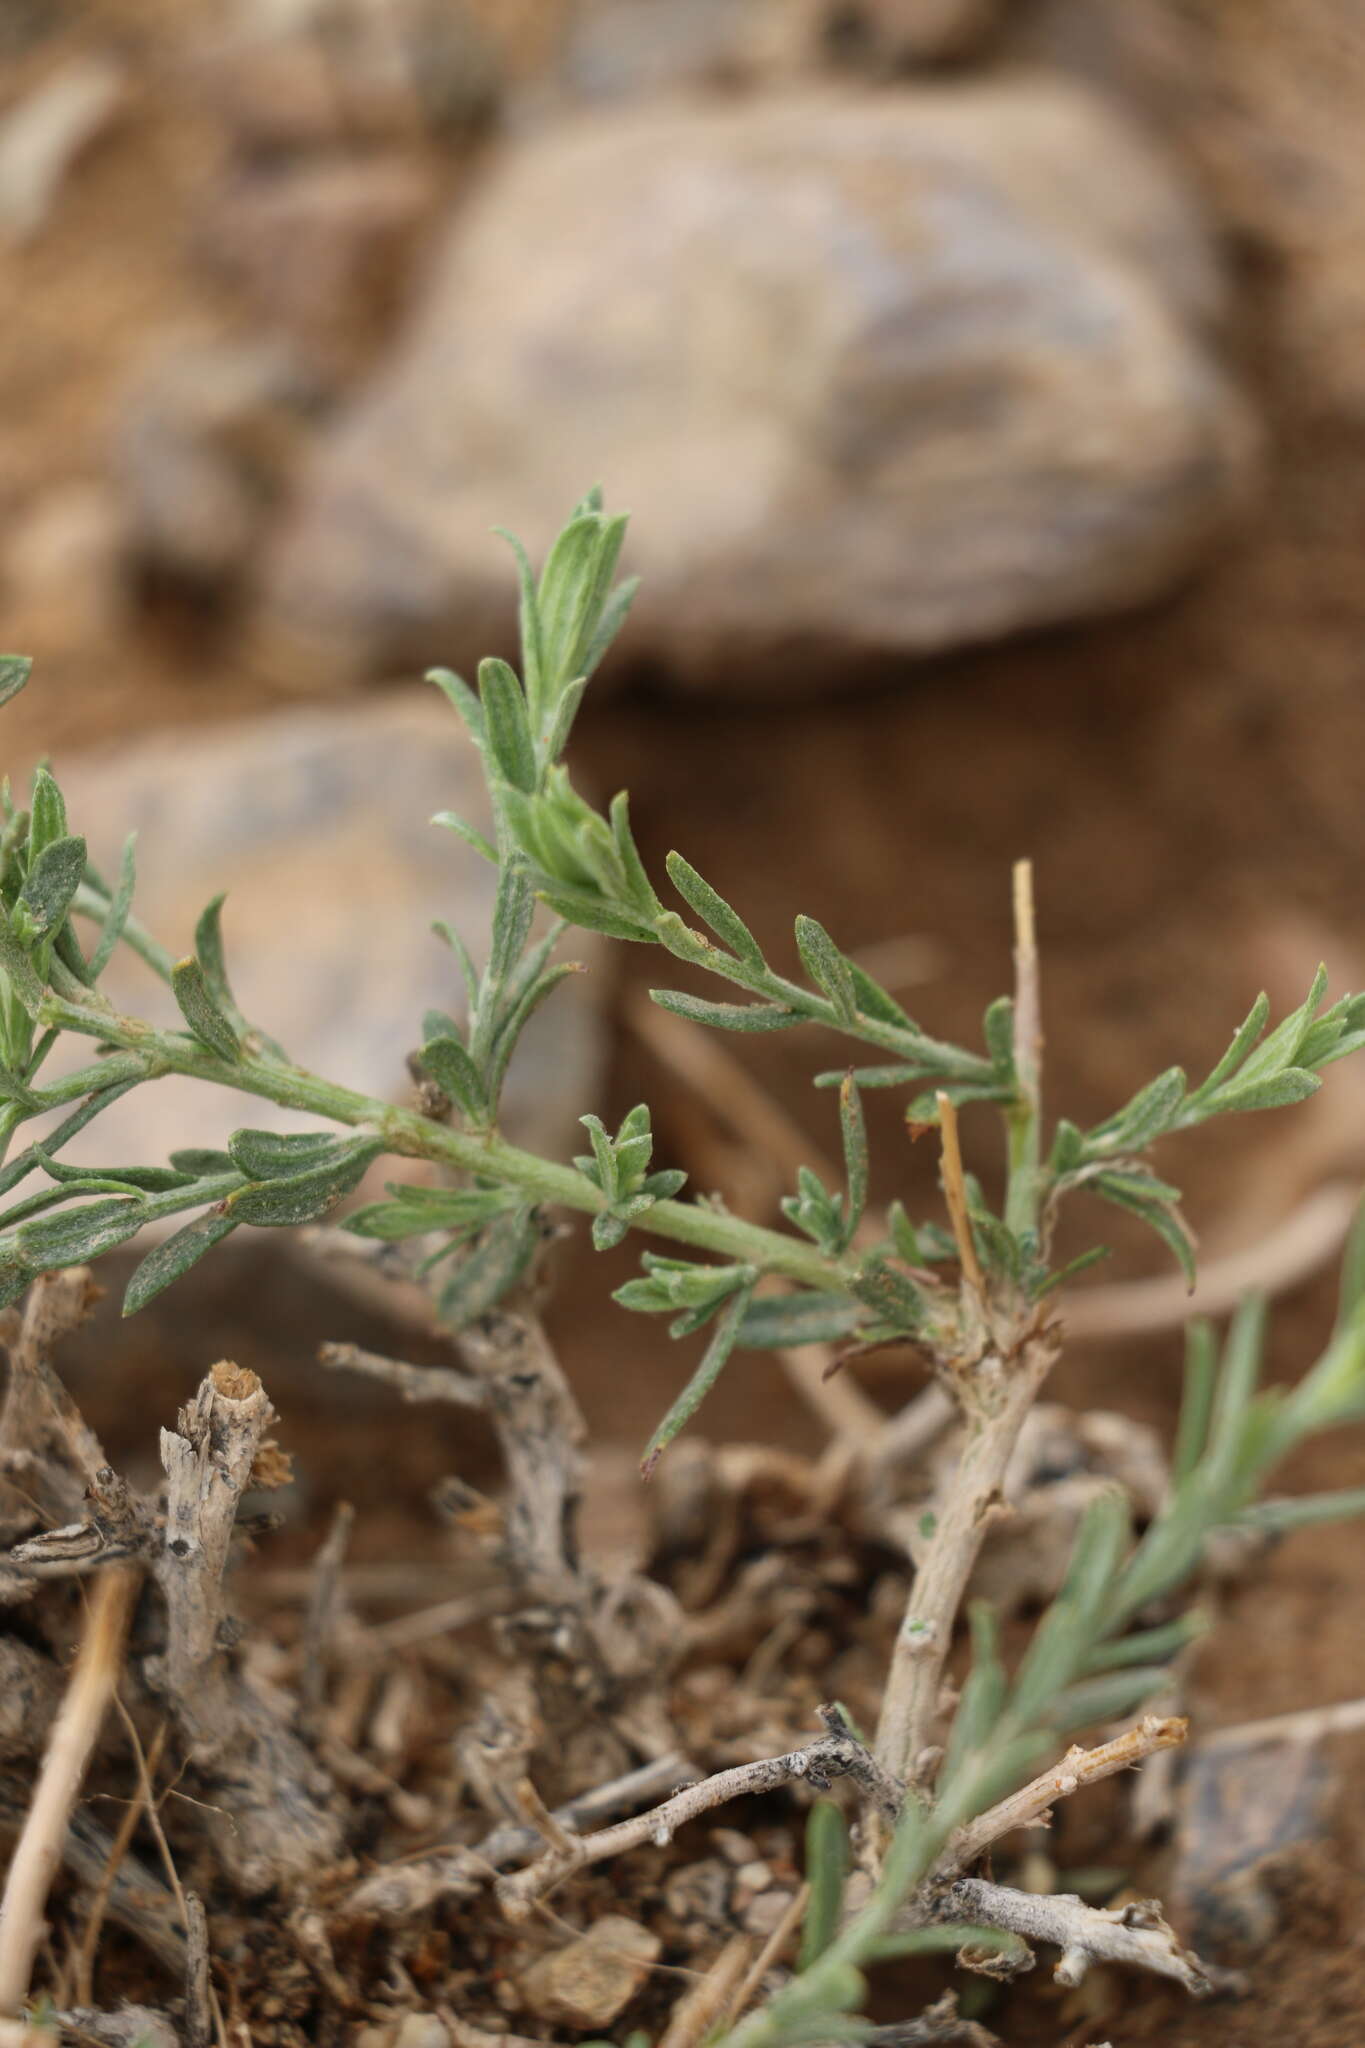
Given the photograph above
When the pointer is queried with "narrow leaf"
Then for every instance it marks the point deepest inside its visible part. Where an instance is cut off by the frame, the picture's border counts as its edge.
(713, 910)
(52, 881)
(302, 1199)
(827, 967)
(827, 1867)
(699, 1386)
(451, 1068)
(15, 670)
(168, 1261)
(725, 1016)
(506, 725)
(199, 1010)
(279, 1155)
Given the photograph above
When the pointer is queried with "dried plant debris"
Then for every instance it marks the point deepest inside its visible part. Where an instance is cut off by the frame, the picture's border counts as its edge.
(820, 1729)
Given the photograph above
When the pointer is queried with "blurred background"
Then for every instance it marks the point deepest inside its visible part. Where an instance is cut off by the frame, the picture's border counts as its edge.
(985, 379)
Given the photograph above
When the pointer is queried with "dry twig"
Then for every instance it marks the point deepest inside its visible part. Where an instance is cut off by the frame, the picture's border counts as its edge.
(39, 1849)
(1031, 1805)
(1136, 1934)
(836, 1754)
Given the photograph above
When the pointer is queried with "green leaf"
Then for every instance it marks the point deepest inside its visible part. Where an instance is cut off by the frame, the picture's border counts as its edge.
(18, 968)
(52, 881)
(827, 967)
(713, 910)
(613, 617)
(1242, 1041)
(854, 1132)
(1309, 1511)
(453, 823)
(303, 1198)
(775, 1321)
(15, 670)
(827, 1867)
(1281, 1048)
(725, 1016)
(120, 905)
(168, 1261)
(513, 908)
(74, 1235)
(1196, 1405)
(699, 1386)
(199, 1161)
(280, 1155)
(416, 1211)
(998, 1030)
(483, 1276)
(148, 1179)
(1152, 1110)
(577, 906)
(873, 1000)
(1152, 1201)
(452, 1069)
(575, 585)
(200, 1011)
(457, 691)
(47, 819)
(532, 654)
(1273, 1091)
(507, 726)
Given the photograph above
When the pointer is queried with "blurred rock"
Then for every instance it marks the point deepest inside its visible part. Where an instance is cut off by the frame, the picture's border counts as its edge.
(294, 75)
(589, 1981)
(890, 374)
(208, 437)
(883, 37)
(42, 138)
(321, 249)
(62, 561)
(317, 824)
(621, 49)
(1251, 1801)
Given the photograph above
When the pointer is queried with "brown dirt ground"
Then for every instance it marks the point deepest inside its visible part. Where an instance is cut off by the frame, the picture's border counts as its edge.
(1189, 785)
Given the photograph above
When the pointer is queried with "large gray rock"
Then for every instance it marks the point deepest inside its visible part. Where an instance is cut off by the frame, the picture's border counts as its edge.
(317, 824)
(874, 373)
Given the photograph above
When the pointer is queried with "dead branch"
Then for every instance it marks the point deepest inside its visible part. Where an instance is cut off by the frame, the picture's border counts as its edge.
(1136, 1934)
(703, 2007)
(326, 1609)
(910, 1704)
(198, 1995)
(39, 1849)
(939, 2023)
(94, 1921)
(955, 1194)
(46, 1449)
(836, 1754)
(401, 1889)
(280, 1831)
(410, 1382)
(1031, 1805)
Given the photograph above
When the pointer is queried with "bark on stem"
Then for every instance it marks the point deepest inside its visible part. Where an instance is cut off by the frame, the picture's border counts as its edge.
(912, 1689)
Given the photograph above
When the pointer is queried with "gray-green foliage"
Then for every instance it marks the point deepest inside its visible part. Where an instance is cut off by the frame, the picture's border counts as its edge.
(834, 1275)
(843, 1281)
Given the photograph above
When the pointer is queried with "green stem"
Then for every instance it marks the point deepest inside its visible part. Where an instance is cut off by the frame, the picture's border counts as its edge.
(413, 1136)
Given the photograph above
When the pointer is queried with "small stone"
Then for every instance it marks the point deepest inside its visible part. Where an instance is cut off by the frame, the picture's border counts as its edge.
(877, 376)
(1249, 1802)
(589, 1982)
(763, 1913)
(320, 250)
(736, 1848)
(753, 1877)
(208, 435)
(42, 137)
(422, 2030)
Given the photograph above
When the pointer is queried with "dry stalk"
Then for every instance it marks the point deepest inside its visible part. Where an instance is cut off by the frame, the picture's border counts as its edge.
(400, 1889)
(118, 1849)
(836, 1754)
(955, 1195)
(39, 1848)
(1135, 1935)
(1031, 1805)
(999, 1394)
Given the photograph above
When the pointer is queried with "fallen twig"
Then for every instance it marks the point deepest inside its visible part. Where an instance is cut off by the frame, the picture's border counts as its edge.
(39, 1848)
(118, 1849)
(836, 1754)
(1135, 1934)
(400, 1889)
